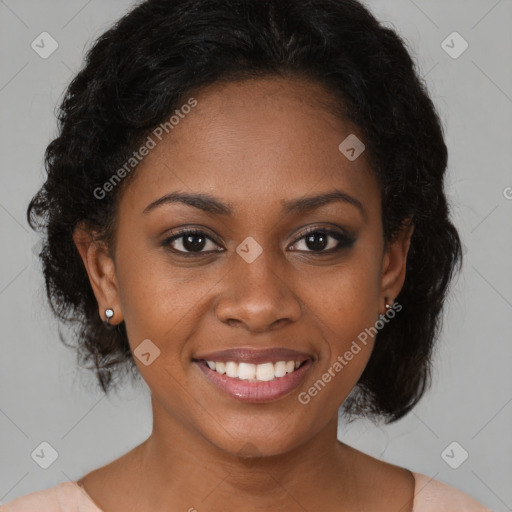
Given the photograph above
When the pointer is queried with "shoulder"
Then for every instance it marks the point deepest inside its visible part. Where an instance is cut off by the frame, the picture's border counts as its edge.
(64, 497)
(435, 496)
(45, 500)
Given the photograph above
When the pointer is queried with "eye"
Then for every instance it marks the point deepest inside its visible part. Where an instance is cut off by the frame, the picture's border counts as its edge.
(189, 241)
(317, 240)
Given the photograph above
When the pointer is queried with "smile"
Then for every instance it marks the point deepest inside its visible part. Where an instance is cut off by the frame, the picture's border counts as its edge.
(254, 372)
(249, 382)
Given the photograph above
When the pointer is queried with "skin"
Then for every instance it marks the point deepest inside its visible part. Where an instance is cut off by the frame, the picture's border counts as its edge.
(251, 144)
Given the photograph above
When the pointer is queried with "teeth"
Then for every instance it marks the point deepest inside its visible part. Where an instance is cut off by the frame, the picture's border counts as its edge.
(231, 369)
(265, 371)
(280, 369)
(254, 372)
(246, 371)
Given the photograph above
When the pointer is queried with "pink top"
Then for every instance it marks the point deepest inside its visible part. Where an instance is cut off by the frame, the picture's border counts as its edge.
(429, 496)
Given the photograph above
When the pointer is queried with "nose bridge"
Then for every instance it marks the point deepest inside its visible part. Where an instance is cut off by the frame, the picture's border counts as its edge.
(257, 267)
(256, 293)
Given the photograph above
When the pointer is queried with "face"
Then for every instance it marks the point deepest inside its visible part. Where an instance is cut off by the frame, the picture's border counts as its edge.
(263, 265)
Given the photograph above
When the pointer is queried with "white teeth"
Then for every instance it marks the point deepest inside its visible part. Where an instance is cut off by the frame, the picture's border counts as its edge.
(254, 372)
(231, 369)
(265, 372)
(280, 369)
(246, 371)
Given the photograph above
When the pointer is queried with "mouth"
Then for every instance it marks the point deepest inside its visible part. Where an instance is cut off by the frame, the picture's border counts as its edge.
(263, 372)
(250, 382)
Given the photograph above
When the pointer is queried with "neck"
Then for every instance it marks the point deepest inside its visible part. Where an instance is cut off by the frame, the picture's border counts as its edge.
(182, 469)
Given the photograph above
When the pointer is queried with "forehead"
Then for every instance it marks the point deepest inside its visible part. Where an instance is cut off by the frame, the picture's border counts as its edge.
(254, 143)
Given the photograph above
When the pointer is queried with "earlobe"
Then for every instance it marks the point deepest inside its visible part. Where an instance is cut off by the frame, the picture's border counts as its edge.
(100, 269)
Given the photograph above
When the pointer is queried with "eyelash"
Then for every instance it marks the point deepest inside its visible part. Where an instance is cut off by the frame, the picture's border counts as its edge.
(344, 241)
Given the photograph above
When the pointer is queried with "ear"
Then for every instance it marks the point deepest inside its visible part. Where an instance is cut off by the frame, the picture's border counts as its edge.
(394, 264)
(100, 268)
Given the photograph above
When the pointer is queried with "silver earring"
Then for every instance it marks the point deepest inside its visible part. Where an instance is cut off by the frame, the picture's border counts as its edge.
(387, 305)
(109, 313)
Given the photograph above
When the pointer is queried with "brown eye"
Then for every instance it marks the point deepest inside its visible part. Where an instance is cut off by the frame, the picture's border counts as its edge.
(324, 240)
(189, 242)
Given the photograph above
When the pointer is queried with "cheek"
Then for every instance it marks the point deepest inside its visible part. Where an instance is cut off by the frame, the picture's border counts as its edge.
(346, 310)
(162, 303)
(347, 345)
(346, 298)
(148, 289)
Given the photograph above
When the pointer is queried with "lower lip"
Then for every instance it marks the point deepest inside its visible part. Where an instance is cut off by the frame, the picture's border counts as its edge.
(256, 392)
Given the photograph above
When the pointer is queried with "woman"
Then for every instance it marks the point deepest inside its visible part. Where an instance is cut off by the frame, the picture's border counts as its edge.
(245, 207)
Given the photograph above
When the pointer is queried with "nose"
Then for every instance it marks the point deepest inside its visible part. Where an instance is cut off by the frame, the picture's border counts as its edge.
(257, 295)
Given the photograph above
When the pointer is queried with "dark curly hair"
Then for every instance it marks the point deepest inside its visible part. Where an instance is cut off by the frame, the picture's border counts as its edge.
(140, 70)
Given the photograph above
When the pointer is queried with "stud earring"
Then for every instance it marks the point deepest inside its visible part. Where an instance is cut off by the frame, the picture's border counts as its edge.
(109, 313)
(388, 306)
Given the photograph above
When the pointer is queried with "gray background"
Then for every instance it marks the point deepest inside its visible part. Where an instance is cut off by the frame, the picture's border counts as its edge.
(44, 397)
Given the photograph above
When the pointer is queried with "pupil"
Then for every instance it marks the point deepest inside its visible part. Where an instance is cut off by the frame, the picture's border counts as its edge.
(315, 246)
(191, 246)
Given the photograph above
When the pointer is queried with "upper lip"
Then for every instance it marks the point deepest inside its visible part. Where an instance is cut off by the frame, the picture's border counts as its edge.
(255, 356)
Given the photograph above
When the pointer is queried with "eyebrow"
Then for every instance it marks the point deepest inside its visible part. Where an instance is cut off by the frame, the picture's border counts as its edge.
(212, 205)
